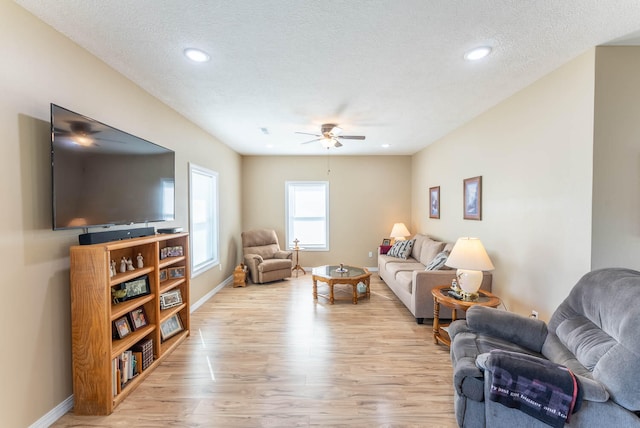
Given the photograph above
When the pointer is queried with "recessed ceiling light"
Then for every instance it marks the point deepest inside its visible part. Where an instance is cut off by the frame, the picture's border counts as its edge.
(196, 55)
(477, 53)
(386, 146)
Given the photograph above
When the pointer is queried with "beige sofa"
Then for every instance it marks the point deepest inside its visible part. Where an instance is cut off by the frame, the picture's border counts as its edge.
(412, 284)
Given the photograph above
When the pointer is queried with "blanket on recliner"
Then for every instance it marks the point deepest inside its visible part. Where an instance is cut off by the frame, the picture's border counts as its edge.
(540, 388)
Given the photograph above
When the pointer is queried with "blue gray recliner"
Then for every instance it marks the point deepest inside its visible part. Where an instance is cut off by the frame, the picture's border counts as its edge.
(595, 333)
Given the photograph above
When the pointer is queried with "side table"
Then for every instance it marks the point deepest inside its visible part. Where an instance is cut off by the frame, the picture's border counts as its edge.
(441, 297)
(297, 267)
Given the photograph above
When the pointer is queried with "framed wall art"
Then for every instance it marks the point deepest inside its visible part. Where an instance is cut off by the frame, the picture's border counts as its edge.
(472, 201)
(434, 202)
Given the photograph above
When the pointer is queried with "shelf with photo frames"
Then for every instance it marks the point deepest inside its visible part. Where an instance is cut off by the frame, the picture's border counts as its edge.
(113, 313)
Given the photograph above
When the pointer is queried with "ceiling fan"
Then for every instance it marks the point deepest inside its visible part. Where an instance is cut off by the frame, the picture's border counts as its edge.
(330, 136)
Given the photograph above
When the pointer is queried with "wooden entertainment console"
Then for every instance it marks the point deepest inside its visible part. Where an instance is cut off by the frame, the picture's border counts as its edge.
(122, 318)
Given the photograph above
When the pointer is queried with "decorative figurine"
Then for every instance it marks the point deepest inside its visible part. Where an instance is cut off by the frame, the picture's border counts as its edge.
(140, 261)
(112, 268)
(118, 294)
(130, 265)
(123, 265)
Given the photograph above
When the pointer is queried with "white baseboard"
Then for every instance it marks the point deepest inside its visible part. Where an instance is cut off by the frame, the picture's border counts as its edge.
(210, 294)
(59, 411)
(54, 414)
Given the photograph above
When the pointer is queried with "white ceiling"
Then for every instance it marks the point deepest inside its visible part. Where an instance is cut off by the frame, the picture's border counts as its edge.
(392, 70)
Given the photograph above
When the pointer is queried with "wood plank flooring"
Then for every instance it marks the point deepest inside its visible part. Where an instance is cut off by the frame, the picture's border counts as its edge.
(269, 356)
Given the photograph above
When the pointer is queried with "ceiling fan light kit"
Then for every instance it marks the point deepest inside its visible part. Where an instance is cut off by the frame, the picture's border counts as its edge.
(329, 136)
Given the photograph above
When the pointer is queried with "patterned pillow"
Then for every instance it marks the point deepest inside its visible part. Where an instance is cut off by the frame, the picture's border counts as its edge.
(401, 249)
(438, 261)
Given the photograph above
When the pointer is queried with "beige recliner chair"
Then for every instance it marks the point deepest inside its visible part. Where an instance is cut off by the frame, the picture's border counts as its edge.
(263, 256)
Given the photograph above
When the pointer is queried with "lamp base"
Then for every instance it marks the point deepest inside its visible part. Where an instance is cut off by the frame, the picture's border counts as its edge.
(469, 282)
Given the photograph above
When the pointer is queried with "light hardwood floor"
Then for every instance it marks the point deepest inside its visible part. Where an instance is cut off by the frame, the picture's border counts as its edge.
(269, 356)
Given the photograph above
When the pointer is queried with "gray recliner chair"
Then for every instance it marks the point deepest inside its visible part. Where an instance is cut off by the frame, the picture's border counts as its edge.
(595, 333)
(263, 256)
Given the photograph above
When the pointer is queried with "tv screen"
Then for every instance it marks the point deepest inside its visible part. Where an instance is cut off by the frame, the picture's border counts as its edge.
(102, 176)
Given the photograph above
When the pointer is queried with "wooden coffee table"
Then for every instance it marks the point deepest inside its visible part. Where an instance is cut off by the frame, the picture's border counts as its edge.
(331, 276)
(442, 297)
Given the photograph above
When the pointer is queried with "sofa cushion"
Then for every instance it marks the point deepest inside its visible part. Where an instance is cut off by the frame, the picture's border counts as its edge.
(395, 268)
(402, 249)
(438, 261)
(417, 246)
(405, 280)
(430, 249)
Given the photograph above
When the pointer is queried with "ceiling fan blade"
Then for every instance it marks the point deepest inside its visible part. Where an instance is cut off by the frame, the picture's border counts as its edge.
(337, 144)
(312, 141)
(308, 133)
(351, 137)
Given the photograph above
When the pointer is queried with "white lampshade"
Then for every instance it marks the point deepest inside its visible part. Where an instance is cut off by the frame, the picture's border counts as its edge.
(399, 231)
(470, 258)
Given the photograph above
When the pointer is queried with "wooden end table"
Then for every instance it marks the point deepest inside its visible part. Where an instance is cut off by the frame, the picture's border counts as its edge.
(441, 297)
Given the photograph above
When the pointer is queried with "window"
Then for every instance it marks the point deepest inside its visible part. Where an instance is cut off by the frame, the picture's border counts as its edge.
(203, 218)
(307, 212)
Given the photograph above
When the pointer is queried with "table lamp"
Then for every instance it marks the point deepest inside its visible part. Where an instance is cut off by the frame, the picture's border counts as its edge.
(470, 258)
(399, 232)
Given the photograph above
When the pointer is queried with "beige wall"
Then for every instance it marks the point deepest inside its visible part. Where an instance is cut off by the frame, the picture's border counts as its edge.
(616, 164)
(534, 152)
(40, 66)
(367, 195)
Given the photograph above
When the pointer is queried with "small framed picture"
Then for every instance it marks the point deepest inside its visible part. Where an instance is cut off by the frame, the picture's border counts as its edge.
(121, 327)
(176, 272)
(164, 253)
(386, 242)
(171, 326)
(136, 287)
(434, 202)
(170, 299)
(164, 275)
(138, 318)
(472, 202)
(176, 251)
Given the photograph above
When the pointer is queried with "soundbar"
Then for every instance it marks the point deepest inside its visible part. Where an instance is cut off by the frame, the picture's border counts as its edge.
(114, 235)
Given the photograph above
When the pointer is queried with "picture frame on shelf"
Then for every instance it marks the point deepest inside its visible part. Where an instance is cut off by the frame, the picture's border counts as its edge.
(164, 275)
(170, 299)
(121, 327)
(171, 326)
(136, 287)
(386, 242)
(434, 202)
(176, 272)
(175, 251)
(138, 318)
(472, 198)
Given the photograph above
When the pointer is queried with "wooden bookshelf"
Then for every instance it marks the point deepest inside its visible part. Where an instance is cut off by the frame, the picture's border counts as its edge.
(95, 345)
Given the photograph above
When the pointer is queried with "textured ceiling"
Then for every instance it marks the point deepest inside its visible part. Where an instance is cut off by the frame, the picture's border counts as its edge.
(392, 70)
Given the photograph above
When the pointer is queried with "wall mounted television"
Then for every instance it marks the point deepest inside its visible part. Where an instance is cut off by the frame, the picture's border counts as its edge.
(102, 176)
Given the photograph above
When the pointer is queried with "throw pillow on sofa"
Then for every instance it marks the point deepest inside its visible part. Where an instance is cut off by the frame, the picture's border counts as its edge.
(401, 249)
(438, 261)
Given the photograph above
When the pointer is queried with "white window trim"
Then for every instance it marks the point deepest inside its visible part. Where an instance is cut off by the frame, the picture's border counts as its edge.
(288, 238)
(215, 260)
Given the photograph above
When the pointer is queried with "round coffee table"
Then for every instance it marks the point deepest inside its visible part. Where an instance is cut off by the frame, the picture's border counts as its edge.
(331, 275)
(441, 296)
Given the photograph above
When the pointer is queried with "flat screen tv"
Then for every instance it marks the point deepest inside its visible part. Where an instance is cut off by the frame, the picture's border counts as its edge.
(102, 176)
